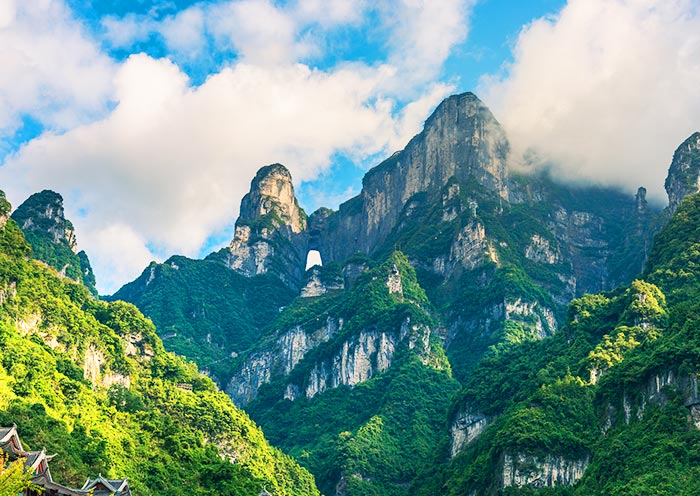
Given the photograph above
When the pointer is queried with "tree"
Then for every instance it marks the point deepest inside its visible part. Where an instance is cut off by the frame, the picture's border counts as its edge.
(13, 478)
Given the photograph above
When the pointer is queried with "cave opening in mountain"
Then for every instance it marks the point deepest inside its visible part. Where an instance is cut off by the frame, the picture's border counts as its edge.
(313, 258)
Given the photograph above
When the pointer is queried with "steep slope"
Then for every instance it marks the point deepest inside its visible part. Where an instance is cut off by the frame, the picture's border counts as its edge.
(683, 175)
(444, 252)
(336, 378)
(267, 237)
(461, 141)
(499, 254)
(212, 310)
(610, 404)
(205, 311)
(52, 237)
(91, 381)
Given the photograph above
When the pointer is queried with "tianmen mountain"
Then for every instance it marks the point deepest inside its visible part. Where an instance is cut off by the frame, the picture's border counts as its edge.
(473, 329)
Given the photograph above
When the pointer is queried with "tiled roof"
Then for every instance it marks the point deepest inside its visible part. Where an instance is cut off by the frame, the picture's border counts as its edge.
(118, 487)
(10, 443)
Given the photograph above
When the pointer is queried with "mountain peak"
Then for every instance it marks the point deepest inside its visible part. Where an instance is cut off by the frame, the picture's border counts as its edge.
(269, 229)
(684, 173)
(52, 237)
(43, 212)
(464, 102)
(272, 195)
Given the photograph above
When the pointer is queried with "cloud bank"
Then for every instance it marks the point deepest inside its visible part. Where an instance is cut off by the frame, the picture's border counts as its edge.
(605, 91)
(50, 69)
(166, 167)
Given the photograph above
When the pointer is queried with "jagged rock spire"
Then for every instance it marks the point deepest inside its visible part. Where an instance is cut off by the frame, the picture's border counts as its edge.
(270, 230)
(43, 212)
(461, 141)
(272, 195)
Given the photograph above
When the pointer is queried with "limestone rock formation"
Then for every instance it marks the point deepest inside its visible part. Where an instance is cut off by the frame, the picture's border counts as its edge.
(527, 470)
(52, 236)
(461, 140)
(279, 359)
(465, 428)
(44, 212)
(269, 234)
(684, 174)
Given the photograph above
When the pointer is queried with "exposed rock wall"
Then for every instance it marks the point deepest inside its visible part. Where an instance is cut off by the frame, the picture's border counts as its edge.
(357, 360)
(461, 139)
(279, 359)
(632, 404)
(270, 231)
(547, 471)
(316, 286)
(684, 174)
(465, 428)
(353, 360)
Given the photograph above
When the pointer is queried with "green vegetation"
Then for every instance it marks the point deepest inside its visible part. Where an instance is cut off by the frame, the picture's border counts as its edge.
(52, 237)
(205, 311)
(590, 392)
(91, 381)
(373, 438)
(13, 478)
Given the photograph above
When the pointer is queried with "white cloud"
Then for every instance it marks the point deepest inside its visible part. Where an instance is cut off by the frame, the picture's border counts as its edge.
(123, 32)
(329, 13)
(116, 246)
(184, 32)
(167, 166)
(51, 70)
(418, 35)
(260, 32)
(606, 90)
(172, 161)
(422, 34)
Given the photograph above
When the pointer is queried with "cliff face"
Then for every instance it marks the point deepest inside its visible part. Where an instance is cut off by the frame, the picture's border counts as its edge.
(350, 355)
(452, 178)
(684, 174)
(461, 139)
(277, 360)
(268, 235)
(52, 237)
(526, 470)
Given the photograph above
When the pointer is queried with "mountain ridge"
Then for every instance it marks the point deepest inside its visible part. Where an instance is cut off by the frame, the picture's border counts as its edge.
(492, 258)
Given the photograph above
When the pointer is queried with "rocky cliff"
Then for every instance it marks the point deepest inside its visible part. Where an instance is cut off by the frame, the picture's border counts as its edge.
(268, 230)
(446, 262)
(684, 174)
(522, 470)
(342, 355)
(461, 140)
(52, 237)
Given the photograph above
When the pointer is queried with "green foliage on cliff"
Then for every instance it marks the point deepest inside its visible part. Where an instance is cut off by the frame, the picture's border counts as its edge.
(91, 381)
(373, 438)
(205, 311)
(47, 232)
(615, 390)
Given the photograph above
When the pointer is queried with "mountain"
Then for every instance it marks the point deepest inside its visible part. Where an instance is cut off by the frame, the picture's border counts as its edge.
(459, 335)
(91, 381)
(682, 179)
(610, 403)
(488, 245)
(268, 229)
(52, 237)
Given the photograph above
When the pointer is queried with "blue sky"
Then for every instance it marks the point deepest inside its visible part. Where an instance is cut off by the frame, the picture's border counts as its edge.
(152, 117)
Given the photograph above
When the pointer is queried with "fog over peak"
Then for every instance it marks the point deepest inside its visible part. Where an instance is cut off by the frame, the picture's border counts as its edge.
(604, 91)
